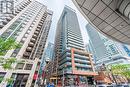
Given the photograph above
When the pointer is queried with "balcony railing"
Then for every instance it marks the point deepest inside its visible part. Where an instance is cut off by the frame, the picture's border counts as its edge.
(26, 54)
(29, 49)
(35, 36)
(83, 65)
(33, 40)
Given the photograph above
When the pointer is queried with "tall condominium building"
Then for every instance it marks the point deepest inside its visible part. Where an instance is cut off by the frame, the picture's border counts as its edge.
(71, 59)
(105, 50)
(10, 8)
(30, 28)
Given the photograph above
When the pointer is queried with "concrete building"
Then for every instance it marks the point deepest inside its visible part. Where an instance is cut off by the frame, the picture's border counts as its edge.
(10, 8)
(30, 28)
(105, 50)
(71, 60)
(110, 17)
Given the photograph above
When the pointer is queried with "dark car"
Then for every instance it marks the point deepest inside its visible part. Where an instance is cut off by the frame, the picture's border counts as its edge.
(122, 85)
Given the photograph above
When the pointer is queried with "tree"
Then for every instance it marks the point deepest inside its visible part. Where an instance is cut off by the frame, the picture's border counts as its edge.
(9, 44)
(121, 69)
(6, 63)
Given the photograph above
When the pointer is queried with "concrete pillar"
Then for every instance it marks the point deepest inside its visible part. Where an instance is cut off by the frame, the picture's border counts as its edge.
(30, 78)
(7, 76)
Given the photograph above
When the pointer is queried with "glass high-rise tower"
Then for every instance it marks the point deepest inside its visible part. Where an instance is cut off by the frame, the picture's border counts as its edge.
(71, 59)
(105, 50)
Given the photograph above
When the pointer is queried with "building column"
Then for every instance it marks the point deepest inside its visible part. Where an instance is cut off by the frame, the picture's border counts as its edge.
(72, 60)
(90, 59)
(30, 78)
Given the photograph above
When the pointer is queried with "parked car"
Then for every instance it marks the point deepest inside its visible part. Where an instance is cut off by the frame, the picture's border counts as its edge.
(122, 85)
(104, 85)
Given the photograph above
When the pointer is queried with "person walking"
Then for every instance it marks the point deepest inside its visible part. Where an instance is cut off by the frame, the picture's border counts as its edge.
(52, 84)
(48, 84)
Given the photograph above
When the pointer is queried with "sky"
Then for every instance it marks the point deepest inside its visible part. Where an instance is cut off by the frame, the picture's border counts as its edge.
(57, 7)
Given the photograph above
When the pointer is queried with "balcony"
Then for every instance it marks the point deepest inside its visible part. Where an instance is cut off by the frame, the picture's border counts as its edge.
(5, 22)
(21, 7)
(81, 57)
(33, 40)
(23, 39)
(34, 36)
(36, 32)
(31, 44)
(29, 49)
(28, 31)
(40, 24)
(16, 12)
(1, 26)
(82, 61)
(38, 29)
(25, 57)
(8, 19)
(26, 54)
(26, 35)
(11, 16)
(83, 65)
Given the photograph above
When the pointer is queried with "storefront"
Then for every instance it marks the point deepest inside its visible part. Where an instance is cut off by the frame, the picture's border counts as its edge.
(76, 80)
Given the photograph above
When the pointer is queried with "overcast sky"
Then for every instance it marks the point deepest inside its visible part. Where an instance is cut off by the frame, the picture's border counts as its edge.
(57, 7)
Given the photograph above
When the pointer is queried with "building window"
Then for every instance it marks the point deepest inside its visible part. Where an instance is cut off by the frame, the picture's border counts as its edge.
(28, 67)
(20, 66)
(2, 74)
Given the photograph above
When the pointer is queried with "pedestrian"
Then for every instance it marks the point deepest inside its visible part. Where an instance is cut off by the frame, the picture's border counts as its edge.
(45, 83)
(48, 84)
(52, 84)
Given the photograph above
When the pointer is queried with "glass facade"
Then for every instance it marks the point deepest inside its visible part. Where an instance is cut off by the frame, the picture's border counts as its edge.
(113, 50)
(71, 59)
